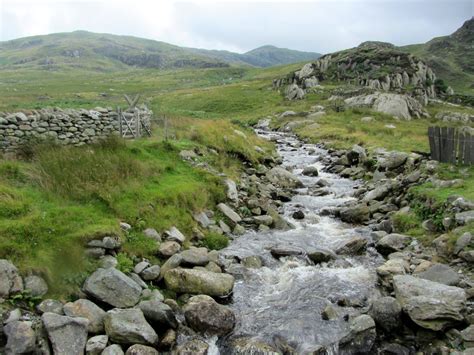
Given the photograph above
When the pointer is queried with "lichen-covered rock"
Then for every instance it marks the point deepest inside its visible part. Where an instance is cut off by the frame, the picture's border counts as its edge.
(68, 335)
(199, 282)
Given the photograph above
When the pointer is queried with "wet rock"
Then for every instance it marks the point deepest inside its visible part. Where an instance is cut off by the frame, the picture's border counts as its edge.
(10, 279)
(352, 246)
(429, 304)
(89, 310)
(139, 349)
(283, 178)
(205, 315)
(320, 255)
(265, 220)
(361, 338)
(158, 314)
(194, 347)
(169, 248)
(441, 273)
(285, 250)
(329, 312)
(386, 312)
(229, 213)
(113, 287)
(113, 349)
(175, 235)
(392, 243)
(310, 171)
(128, 326)
(355, 214)
(21, 338)
(253, 262)
(278, 221)
(247, 345)
(199, 282)
(52, 306)
(298, 215)
(96, 344)
(68, 335)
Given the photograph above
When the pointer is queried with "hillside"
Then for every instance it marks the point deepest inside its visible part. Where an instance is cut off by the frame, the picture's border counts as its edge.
(451, 57)
(106, 52)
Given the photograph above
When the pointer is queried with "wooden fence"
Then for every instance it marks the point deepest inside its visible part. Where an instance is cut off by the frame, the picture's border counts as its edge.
(133, 123)
(451, 145)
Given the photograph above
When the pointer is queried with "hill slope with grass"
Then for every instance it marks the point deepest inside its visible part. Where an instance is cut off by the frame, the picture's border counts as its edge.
(451, 57)
(107, 52)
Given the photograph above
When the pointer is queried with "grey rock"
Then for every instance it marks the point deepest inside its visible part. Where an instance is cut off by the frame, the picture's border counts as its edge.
(195, 257)
(320, 255)
(49, 305)
(68, 335)
(108, 261)
(113, 349)
(21, 338)
(429, 304)
(462, 242)
(175, 235)
(467, 256)
(310, 171)
(392, 243)
(10, 280)
(172, 263)
(139, 349)
(205, 315)
(285, 250)
(158, 314)
(199, 282)
(229, 213)
(169, 248)
(352, 246)
(96, 344)
(142, 265)
(138, 280)
(232, 193)
(441, 273)
(253, 262)
(112, 287)
(152, 295)
(361, 338)
(129, 326)
(355, 214)
(265, 220)
(386, 311)
(192, 347)
(283, 178)
(89, 310)
(152, 273)
(152, 234)
(202, 219)
(393, 160)
(379, 193)
(465, 217)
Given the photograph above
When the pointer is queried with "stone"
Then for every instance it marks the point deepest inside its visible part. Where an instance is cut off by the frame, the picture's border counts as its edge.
(187, 154)
(199, 282)
(192, 347)
(152, 234)
(390, 268)
(36, 286)
(68, 335)
(310, 171)
(111, 243)
(355, 214)
(298, 215)
(49, 305)
(169, 248)
(356, 155)
(392, 243)
(96, 344)
(112, 287)
(378, 194)
(352, 246)
(172, 263)
(139, 349)
(202, 219)
(129, 326)
(206, 316)
(361, 338)
(175, 235)
(320, 255)
(151, 273)
(158, 314)
(463, 218)
(294, 92)
(387, 312)
(21, 338)
(468, 256)
(265, 220)
(283, 178)
(429, 304)
(441, 273)
(14, 315)
(285, 250)
(252, 262)
(10, 279)
(113, 349)
(232, 216)
(195, 257)
(468, 336)
(393, 160)
(142, 265)
(462, 242)
(125, 226)
(249, 345)
(329, 312)
(89, 310)
(232, 193)
(108, 261)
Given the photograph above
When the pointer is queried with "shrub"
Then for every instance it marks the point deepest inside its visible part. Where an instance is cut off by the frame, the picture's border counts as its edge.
(215, 241)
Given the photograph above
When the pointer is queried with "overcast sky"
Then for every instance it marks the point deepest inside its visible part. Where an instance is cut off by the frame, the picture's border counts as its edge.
(318, 25)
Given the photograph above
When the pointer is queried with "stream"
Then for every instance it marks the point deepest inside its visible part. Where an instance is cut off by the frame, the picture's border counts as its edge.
(281, 302)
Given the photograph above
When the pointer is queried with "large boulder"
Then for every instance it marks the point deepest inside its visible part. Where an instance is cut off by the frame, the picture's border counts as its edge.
(355, 214)
(10, 279)
(199, 282)
(401, 106)
(283, 178)
(68, 335)
(205, 315)
(429, 304)
(392, 243)
(113, 287)
(441, 273)
(21, 338)
(89, 310)
(129, 326)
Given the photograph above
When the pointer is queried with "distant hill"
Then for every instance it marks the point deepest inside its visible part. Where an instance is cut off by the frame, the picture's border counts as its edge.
(451, 57)
(106, 52)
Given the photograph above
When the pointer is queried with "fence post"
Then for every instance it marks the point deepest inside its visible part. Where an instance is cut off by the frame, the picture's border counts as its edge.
(119, 116)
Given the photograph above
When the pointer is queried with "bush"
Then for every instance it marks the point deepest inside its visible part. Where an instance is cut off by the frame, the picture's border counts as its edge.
(215, 241)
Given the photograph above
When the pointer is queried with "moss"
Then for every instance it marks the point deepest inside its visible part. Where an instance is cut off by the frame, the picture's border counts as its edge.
(124, 263)
(215, 241)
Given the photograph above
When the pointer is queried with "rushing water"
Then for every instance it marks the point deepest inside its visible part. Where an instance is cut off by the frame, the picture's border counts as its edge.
(284, 298)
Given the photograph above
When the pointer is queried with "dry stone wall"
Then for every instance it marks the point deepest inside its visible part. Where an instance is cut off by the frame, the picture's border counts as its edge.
(66, 126)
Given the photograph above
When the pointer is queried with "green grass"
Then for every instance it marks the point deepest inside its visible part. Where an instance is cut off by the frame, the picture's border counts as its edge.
(214, 241)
